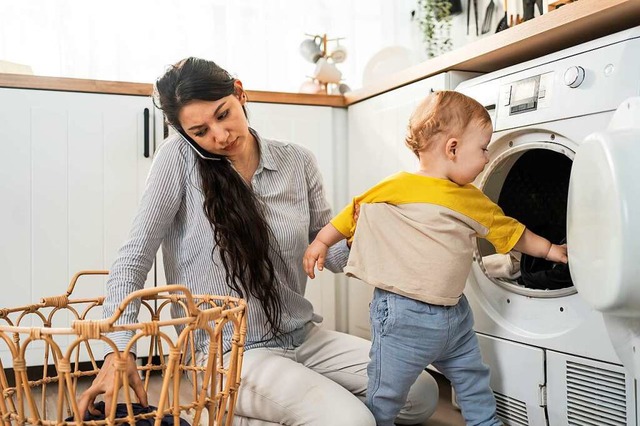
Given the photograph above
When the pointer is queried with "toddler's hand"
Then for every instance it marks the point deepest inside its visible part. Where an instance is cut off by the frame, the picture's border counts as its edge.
(316, 253)
(557, 254)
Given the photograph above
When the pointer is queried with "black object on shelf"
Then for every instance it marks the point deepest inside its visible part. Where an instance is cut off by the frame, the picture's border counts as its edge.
(475, 15)
(528, 8)
(503, 24)
(468, 14)
(456, 7)
(488, 17)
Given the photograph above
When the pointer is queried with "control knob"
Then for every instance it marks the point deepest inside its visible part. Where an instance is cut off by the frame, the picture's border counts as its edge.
(574, 76)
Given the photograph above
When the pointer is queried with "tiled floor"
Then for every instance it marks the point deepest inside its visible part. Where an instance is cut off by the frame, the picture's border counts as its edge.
(446, 414)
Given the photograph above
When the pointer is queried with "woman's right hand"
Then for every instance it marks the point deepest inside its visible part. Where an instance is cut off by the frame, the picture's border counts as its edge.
(104, 384)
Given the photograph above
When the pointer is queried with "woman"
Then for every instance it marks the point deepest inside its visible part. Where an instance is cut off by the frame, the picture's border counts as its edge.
(234, 213)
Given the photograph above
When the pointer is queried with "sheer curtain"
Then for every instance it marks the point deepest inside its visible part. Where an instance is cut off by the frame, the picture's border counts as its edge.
(255, 40)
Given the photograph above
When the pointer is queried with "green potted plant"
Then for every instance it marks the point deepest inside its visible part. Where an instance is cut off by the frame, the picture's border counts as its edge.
(434, 18)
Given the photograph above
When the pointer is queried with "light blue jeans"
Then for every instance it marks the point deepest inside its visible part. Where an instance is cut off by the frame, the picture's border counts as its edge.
(407, 335)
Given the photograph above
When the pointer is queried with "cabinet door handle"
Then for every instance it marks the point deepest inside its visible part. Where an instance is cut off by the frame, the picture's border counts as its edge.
(146, 133)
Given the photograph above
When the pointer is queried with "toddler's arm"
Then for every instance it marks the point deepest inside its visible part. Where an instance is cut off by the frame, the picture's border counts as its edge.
(317, 250)
(535, 245)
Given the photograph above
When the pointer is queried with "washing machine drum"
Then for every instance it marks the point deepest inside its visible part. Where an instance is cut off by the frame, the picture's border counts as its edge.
(535, 192)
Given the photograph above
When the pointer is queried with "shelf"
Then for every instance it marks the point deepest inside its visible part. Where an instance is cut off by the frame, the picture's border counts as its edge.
(570, 25)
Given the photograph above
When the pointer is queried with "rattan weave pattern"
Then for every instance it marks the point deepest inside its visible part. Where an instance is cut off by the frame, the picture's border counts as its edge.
(68, 331)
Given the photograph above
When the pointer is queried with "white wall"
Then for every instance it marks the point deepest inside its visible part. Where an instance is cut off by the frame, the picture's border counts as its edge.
(256, 40)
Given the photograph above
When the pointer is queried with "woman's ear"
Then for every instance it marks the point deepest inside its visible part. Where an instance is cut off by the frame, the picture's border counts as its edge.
(239, 92)
(451, 148)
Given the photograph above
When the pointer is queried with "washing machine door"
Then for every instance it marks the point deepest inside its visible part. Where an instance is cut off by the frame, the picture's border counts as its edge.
(603, 228)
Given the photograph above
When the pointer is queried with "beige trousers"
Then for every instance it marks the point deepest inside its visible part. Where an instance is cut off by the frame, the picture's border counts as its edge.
(322, 382)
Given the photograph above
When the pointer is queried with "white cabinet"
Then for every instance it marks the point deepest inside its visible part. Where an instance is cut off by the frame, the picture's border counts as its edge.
(72, 171)
(377, 130)
(522, 401)
(322, 130)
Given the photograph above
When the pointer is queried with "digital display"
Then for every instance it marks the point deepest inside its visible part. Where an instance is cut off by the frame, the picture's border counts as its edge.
(524, 90)
(524, 95)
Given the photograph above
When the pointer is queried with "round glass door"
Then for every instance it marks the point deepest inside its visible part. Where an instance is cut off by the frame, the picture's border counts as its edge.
(530, 182)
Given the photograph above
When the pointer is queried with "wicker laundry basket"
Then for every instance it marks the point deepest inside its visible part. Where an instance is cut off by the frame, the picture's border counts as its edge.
(46, 363)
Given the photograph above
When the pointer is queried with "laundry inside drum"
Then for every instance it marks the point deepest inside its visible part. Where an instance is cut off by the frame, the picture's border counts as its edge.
(534, 191)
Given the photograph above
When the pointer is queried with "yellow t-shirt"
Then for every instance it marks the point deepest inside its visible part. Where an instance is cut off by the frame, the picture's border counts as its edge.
(414, 235)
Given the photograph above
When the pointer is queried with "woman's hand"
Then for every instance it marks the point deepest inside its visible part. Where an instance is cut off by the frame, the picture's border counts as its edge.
(316, 253)
(104, 384)
(557, 253)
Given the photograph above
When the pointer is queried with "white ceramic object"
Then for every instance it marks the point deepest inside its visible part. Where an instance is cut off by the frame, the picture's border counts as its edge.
(339, 54)
(326, 72)
(388, 61)
(310, 50)
(311, 87)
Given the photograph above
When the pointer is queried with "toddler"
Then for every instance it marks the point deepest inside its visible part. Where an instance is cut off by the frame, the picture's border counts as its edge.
(414, 243)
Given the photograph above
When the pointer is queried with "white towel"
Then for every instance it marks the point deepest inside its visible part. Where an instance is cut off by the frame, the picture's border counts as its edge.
(502, 265)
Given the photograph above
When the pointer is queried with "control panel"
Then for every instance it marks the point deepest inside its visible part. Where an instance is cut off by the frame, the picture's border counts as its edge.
(591, 78)
(528, 94)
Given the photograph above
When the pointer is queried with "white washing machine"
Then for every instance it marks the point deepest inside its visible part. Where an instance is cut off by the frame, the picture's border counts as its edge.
(551, 357)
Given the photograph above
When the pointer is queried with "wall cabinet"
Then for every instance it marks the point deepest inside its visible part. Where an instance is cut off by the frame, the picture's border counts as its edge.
(73, 170)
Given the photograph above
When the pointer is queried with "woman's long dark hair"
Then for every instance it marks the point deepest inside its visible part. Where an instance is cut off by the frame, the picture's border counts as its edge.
(240, 230)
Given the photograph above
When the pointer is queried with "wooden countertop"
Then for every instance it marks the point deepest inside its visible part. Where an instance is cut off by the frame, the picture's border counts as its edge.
(572, 24)
(144, 89)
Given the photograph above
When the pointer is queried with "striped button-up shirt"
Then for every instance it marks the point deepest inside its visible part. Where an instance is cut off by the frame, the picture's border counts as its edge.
(289, 185)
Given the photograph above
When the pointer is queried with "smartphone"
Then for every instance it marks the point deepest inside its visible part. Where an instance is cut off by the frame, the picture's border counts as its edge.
(197, 148)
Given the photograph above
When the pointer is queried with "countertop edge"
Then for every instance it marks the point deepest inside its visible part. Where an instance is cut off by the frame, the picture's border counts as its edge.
(20, 81)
